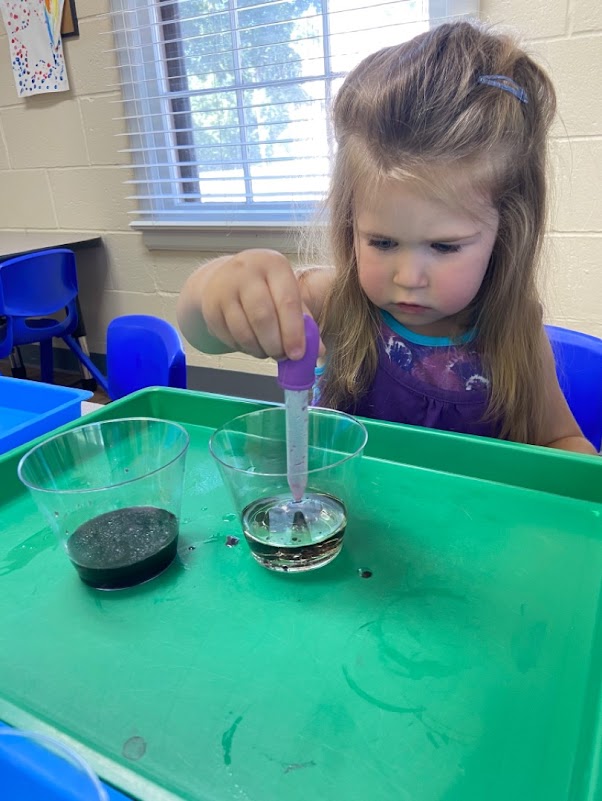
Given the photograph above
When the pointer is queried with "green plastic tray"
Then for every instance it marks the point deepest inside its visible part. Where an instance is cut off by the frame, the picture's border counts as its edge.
(468, 667)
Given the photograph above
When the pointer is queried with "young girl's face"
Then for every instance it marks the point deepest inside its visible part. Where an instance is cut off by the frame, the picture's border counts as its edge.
(423, 260)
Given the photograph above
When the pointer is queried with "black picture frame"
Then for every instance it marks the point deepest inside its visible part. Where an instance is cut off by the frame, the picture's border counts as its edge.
(70, 24)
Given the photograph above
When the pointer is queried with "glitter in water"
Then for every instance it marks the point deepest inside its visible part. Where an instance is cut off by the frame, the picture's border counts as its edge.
(295, 536)
(124, 547)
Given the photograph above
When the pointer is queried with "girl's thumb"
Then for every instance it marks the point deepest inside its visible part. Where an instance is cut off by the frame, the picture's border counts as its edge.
(321, 349)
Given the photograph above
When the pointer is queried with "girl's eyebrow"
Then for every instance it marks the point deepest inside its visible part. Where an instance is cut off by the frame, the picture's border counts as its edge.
(374, 235)
(475, 235)
(465, 237)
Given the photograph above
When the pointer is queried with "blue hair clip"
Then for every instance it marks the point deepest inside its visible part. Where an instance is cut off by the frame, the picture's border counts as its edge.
(505, 83)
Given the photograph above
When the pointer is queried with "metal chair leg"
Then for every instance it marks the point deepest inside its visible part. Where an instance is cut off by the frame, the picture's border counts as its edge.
(87, 381)
(17, 365)
(85, 359)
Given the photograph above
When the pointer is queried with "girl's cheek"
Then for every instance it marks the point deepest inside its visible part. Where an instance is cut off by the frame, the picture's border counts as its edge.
(369, 280)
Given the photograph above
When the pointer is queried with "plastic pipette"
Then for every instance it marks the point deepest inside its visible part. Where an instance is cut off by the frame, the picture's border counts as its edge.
(296, 378)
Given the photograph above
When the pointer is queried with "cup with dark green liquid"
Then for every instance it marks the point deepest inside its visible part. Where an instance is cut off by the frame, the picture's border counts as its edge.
(283, 533)
(112, 492)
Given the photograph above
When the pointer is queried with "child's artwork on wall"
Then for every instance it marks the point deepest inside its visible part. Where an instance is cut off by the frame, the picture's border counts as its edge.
(33, 30)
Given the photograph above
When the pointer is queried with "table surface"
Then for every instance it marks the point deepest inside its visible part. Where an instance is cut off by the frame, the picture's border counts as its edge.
(15, 243)
(473, 650)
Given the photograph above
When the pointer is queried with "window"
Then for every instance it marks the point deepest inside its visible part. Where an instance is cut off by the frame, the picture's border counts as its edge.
(226, 101)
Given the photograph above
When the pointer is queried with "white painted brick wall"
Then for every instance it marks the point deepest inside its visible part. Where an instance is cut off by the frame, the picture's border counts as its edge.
(566, 37)
(534, 19)
(26, 200)
(59, 169)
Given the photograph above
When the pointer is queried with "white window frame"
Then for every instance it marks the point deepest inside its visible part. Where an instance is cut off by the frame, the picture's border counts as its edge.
(214, 231)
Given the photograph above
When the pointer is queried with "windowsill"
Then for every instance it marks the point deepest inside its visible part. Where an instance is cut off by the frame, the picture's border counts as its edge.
(218, 238)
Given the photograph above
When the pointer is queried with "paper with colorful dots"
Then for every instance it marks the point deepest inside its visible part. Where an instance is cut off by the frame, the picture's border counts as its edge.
(33, 29)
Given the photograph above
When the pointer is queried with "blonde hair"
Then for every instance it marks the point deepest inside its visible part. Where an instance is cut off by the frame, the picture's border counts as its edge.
(409, 112)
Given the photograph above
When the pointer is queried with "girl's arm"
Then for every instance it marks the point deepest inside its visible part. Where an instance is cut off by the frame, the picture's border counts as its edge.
(560, 428)
(250, 302)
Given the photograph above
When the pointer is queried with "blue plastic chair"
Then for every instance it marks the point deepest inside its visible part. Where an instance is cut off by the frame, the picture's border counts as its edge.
(6, 337)
(32, 287)
(143, 351)
(579, 368)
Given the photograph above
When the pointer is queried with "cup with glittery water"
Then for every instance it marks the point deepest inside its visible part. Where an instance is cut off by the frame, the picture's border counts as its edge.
(112, 491)
(283, 533)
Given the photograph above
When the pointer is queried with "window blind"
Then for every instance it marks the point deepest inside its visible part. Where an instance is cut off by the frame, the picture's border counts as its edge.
(226, 102)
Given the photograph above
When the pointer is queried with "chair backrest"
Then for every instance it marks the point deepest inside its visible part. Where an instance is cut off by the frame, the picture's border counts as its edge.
(37, 284)
(143, 351)
(579, 368)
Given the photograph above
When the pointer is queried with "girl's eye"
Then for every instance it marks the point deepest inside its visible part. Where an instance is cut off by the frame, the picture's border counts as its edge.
(382, 244)
(441, 247)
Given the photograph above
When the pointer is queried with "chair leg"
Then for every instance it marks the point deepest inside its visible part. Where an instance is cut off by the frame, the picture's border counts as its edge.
(84, 359)
(17, 366)
(87, 379)
(47, 361)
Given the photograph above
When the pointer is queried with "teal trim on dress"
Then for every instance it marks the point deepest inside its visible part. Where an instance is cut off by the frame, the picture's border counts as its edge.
(420, 339)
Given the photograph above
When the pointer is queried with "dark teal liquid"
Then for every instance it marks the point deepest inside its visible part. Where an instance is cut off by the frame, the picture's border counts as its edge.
(125, 547)
(294, 537)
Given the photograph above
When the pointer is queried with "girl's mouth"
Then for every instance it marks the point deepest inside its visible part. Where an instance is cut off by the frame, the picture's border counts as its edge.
(411, 308)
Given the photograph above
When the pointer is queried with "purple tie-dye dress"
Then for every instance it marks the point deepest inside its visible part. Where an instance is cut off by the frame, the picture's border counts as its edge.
(426, 381)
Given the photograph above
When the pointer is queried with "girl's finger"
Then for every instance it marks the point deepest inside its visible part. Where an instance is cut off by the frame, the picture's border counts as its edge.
(262, 316)
(240, 330)
(290, 309)
(218, 328)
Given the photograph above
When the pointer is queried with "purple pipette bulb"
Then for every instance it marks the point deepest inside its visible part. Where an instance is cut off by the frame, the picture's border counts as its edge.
(299, 375)
(296, 378)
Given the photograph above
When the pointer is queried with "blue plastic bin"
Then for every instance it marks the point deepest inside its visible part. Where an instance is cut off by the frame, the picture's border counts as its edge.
(29, 409)
(29, 772)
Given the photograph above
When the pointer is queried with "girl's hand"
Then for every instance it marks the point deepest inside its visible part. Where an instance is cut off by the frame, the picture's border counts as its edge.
(250, 302)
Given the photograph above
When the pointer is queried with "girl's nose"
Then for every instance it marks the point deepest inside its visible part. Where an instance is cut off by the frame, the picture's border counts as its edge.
(410, 272)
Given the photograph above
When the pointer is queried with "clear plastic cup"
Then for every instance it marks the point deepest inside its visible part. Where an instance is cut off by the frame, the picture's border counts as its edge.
(36, 766)
(251, 454)
(112, 493)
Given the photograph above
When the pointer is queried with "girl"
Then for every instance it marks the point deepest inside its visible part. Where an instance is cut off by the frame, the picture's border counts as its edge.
(430, 313)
